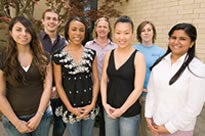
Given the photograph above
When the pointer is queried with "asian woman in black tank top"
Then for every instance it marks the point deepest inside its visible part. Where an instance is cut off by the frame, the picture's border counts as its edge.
(122, 82)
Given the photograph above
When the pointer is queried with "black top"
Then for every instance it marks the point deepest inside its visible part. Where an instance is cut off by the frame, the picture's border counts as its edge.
(76, 79)
(59, 43)
(121, 84)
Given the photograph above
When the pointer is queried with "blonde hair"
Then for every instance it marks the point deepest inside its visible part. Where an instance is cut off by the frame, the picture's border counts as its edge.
(94, 34)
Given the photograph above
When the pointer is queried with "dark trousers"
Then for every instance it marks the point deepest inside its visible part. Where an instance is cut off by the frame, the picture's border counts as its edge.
(101, 117)
(58, 124)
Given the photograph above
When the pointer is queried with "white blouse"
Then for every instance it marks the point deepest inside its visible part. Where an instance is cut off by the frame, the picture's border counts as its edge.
(176, 106)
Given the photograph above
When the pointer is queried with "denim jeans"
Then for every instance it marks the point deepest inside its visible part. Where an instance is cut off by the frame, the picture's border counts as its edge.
(41, 130)
(81, 128)
(122, 126)
(58, 124)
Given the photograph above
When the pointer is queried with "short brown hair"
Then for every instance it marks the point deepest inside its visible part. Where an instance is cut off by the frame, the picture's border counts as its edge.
(140, 28)
(50, 10)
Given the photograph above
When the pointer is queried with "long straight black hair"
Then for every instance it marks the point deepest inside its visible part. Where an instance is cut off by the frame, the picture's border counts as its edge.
(191, 31)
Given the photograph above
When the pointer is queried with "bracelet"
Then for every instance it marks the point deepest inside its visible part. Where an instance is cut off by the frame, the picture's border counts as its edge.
(41, 113)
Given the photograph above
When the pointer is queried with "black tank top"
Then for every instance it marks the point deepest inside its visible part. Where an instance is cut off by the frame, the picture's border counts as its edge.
(121, 84)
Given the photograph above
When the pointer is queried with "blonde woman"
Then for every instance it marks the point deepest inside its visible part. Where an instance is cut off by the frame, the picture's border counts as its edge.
(101, 43)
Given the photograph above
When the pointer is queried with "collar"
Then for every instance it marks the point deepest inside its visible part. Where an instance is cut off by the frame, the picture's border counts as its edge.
(144, 46)
(180, 60)
(44, 35)
(108, 41)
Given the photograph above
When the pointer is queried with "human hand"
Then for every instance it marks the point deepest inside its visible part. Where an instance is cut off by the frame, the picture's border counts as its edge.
(116, 113)
(156, 129)
(86, 110)
(152, 126)
(161, 130)
(77, 112)
(109, 110)
(22, 127)
(34, 121)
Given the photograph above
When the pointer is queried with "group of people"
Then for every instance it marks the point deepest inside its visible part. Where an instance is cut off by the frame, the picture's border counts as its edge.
(139, 90)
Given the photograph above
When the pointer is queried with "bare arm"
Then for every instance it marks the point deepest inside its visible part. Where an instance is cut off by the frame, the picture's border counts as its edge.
(44, 101)
(104, 79)
(95, 82)
(86, 109)
(47, 90)
(140, 69)
(61, 91)
(103, 86)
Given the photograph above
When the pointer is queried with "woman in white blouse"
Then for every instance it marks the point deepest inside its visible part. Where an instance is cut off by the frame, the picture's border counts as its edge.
(176, 87)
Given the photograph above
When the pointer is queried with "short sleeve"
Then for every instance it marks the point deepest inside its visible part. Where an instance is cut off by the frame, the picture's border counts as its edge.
(56, 57)
(91, 52)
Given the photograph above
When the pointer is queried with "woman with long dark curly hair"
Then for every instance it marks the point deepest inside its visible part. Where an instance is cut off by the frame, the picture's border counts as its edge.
(25, 82)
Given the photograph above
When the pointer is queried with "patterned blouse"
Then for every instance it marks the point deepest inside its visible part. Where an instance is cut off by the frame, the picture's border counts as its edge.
(77, 82)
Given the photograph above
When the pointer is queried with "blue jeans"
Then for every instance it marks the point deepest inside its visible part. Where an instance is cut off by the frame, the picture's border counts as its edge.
(41, 130)
(122, 126)
(81, 128)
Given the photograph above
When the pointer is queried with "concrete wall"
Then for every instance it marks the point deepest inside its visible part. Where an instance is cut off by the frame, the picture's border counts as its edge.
(166, 13)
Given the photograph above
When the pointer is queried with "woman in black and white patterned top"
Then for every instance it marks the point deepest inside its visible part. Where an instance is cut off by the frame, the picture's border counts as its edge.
(76, 77)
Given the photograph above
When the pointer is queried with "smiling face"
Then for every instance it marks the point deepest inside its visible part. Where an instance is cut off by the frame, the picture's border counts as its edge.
(20, 34)
(179, 43)
(76, 32)
(102, 28)
(123, 34)
(50, 21)
(147, 33)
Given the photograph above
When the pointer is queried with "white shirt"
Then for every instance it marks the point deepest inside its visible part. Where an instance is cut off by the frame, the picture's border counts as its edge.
(176, 106)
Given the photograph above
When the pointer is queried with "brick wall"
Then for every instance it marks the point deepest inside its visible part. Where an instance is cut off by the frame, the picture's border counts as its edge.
(166, 13)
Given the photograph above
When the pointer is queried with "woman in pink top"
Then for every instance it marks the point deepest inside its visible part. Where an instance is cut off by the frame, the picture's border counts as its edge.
(101, 43)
